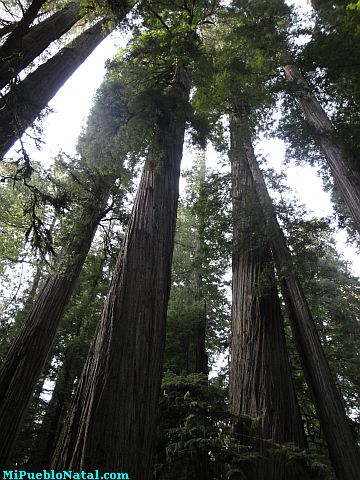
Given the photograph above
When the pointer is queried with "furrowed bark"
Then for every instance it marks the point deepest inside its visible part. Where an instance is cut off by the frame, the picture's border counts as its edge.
(344, 167)
(112, 421)
(27, 355)
(344, 453)
(260, 378)
(15, 58)
(19, 109)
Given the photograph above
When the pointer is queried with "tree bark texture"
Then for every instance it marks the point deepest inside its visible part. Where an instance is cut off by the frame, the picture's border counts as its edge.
(260, 379)
(15, 58)
(112, 421)
(344, 167)
(344, 453)
(31, 346)
(72, 360)
(20, 107)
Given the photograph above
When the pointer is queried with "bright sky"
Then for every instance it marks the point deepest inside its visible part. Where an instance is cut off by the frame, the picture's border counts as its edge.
(72, 104)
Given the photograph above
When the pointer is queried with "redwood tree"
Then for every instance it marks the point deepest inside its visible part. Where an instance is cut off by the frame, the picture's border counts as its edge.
(344, 453)
(260, 379)
(24, 103)
(19, 29)
(16, 55)
(30, 348)
(341, 159)
(112, 421)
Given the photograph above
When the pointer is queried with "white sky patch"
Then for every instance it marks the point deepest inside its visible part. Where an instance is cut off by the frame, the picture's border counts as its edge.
(72, 103)
(307, 187)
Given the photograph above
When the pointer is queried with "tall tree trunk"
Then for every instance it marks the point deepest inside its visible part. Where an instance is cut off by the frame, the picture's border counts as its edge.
(72, 360)
(343, 451)
(25, 441)
(201, 463)
(19, 109)
(200, 364)
(30, 348)
(21, 314)
(112, 422)
(56, 410)
(17, 56)
(22, 27)
(260, 380)
(341, 160)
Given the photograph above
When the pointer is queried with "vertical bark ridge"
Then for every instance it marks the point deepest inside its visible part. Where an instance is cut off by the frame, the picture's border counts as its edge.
(112, 420)
(260, 379)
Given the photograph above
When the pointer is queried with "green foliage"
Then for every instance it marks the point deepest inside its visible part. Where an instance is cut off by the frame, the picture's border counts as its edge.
(195, 440)
(101, 145)
(354, 6)
(230, 54)
(194, 437)
(242, 66)
(332, 292)
(202, 254)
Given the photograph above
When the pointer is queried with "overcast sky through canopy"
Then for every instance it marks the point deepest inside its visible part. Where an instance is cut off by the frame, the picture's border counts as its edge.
(72, 104)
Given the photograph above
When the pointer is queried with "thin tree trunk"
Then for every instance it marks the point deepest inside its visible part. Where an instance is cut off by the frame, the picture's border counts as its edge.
(30, 348)
(112, 421)
(72, 363)
(344, 167)
(25, 441)
(19, 109)
(201, 462)
(15, 58)
(343, 451)
(200, 355)
(34, 287)
(45, 442)
(21, 314)
(22, 27)
(260, 379)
